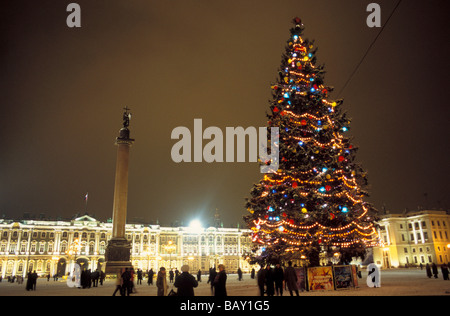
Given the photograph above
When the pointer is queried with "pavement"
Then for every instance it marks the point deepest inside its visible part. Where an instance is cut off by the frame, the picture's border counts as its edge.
(394, 282)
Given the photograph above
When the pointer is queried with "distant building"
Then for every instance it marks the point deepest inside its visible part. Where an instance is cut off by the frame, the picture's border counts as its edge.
(413, 238)
(51, 247)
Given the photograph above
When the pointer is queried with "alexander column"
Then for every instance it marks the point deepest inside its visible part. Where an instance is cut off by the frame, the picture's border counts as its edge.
(118, 251)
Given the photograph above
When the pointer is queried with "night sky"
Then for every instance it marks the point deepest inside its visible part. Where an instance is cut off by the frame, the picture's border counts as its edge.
(63, 91)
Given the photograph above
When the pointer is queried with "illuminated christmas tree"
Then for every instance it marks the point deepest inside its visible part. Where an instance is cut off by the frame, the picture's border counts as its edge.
(314, 202)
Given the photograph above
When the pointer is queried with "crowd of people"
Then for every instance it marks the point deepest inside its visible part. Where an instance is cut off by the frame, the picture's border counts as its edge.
(270, 281)
(183, 281)
(432, 270)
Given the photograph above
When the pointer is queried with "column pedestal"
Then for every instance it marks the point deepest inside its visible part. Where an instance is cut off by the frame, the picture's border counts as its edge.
(118, 255)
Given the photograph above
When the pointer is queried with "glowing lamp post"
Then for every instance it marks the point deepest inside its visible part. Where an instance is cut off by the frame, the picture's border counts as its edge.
(170, 247)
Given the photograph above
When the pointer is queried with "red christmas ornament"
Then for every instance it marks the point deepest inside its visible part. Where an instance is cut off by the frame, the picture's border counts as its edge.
(275, 109)
(284, 214)
(266, 216)
(294, 184)
(341, 158)
(303, 122)
(291, 221)
(328, 188)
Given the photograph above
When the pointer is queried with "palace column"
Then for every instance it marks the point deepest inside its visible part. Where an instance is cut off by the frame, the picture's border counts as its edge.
(118, 250)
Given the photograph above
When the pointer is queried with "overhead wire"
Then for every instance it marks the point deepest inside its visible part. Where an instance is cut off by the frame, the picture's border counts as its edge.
(368, 50)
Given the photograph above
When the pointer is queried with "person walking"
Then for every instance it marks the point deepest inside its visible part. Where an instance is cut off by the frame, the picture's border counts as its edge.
(252, 274)
(435, 270)
(150, 277)
(290, 278)
(278, 275)
(261, 279)
(34, 278)
(171, 276)
(220, 282)
(185, 282)
(270, 286)
(444, 269)
(126, 282)
(102, 277)
(139, 276)
(161, 282)
(199, 275)
(118, 283)
(239, 274)
(212, 277)
(428, 270)
(29, 285)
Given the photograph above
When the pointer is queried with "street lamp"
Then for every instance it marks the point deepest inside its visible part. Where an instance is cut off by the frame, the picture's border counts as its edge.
(74, 248)
(170, 247)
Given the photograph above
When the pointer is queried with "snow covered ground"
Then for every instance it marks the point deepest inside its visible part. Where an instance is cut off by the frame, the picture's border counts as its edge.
(398, 282)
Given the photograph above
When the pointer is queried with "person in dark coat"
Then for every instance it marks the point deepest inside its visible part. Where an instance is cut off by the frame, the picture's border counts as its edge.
(252, 274)
(171, 276)
(261, 279)
(199, 275)
(150, 277)
(220, 282)
(270, 286)
(239, 274)
(161, 282)
(428, 269)
(139, 276)
(444, 270)
(278, 275)
(102, 277)
(127, 283)
(290, 279)
(185, 282)
(29, 285)
(435, 270)
(212, 277)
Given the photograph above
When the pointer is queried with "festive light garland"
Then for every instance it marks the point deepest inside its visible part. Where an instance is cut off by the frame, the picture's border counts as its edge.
(328, 196)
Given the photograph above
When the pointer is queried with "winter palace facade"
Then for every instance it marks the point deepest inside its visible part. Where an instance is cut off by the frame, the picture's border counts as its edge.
(50, 247)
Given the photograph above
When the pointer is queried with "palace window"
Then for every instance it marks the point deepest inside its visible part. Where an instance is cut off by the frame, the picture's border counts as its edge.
(63, 247)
